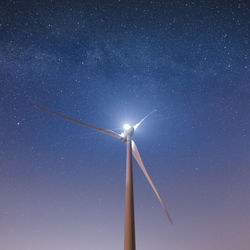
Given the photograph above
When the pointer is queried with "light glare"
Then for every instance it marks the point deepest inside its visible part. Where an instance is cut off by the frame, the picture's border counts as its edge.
(126, 126)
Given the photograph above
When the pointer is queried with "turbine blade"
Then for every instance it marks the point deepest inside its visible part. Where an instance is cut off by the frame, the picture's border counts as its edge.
(142, 120)
(137, 157)
(106, 131)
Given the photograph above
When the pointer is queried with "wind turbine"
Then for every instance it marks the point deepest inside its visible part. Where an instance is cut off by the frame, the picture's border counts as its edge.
(125, 136)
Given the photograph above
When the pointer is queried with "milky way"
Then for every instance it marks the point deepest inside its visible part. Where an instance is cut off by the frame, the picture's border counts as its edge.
(111, 62)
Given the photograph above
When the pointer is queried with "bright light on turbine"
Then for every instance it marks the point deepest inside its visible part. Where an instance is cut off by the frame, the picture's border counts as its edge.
(126, 126)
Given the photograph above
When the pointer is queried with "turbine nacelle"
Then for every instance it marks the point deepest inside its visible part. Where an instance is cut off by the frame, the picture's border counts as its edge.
(128, 131)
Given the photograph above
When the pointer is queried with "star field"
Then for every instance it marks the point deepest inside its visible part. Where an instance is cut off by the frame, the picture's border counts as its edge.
(111, 62)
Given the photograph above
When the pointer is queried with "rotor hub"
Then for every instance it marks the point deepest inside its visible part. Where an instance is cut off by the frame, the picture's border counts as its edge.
(128, 131)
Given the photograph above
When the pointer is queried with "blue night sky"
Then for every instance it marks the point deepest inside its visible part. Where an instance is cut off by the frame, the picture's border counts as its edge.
(110, 62)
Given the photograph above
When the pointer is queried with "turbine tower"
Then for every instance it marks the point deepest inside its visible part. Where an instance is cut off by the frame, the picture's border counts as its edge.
(125, 136)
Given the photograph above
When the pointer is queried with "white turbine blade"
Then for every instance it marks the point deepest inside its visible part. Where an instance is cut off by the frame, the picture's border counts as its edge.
(142, 120)
(137, 157)
(106, 131)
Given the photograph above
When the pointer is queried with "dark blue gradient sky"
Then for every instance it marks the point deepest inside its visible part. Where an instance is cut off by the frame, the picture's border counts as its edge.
(110, 62)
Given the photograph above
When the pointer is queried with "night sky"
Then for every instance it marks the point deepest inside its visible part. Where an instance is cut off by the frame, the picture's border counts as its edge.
(62, 186)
